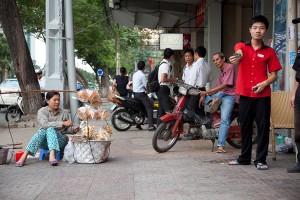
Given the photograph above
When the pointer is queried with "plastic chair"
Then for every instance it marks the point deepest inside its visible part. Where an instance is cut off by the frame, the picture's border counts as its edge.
(282, 116)
(45, 152)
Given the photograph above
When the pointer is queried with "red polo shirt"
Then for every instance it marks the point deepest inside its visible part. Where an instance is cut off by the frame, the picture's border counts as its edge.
(254, 67)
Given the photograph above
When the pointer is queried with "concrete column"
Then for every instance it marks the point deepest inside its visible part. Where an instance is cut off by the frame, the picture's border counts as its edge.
(289, 75)
(213, 35)
(54, 47)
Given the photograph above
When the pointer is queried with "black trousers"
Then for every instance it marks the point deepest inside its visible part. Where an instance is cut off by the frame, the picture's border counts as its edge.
(258, 110)
(297, 123)
(146, 102)
(192, 103)
(163, 95)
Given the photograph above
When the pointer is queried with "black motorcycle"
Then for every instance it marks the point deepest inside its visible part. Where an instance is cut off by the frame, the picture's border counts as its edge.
(128, 112)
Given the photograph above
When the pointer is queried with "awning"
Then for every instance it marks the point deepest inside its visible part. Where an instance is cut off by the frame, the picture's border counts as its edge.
(155, 13)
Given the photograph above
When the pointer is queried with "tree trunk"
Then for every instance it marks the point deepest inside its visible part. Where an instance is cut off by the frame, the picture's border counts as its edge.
(13, 30)
(81, 79)
(104, 85)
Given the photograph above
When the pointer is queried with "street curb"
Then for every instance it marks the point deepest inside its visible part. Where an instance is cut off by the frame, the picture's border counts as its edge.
(19, 125)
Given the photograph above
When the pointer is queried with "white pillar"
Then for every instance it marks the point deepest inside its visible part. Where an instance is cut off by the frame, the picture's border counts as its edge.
(289, 75)
(54, 47)
(213, 34)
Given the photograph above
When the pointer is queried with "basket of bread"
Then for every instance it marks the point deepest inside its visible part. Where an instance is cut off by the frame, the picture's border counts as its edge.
(92, 143)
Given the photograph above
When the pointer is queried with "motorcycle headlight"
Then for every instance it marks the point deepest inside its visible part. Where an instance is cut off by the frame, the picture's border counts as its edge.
(193, 91)
(182, 90)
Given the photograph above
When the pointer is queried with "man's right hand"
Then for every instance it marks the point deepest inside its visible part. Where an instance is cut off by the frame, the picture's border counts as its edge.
(236, 57)
(233, 59)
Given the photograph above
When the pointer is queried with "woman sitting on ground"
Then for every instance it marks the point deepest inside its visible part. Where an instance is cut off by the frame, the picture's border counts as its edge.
(55, 123)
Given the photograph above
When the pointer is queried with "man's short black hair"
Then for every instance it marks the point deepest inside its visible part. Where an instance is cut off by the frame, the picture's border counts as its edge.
(141, 65)
(168, 53)
(189, 50)
(201, 51)
(259, 18)
(123, 70)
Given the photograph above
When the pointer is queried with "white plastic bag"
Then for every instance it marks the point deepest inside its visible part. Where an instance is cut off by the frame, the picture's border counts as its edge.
(69, 153)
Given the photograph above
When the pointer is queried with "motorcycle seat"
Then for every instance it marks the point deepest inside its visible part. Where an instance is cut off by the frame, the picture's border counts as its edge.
(132, 100)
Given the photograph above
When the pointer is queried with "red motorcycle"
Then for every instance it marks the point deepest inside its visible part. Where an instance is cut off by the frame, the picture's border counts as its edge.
(167, 133)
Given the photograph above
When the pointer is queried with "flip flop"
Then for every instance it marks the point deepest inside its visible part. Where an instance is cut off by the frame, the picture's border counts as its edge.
(234, 162)
(53, 163)
(20, 164)
(262, 166)
(220, 150)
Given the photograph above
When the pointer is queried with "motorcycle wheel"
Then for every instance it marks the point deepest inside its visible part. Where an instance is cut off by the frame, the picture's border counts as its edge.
(162, 140)
(236, 142)
(13, 114)
(118, 124)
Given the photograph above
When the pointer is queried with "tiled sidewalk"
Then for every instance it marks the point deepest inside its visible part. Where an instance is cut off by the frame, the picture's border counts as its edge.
(135, 171)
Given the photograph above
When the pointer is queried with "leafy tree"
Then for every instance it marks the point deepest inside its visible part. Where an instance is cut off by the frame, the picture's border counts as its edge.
(5, 59)
(13, 30)
(33, 16)
(94, 35)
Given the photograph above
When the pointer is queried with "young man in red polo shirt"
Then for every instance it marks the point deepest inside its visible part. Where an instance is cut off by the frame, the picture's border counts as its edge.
(255, 60)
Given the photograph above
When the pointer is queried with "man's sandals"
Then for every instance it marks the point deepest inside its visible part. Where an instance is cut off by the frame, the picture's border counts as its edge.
(259, 166)
(262, 166)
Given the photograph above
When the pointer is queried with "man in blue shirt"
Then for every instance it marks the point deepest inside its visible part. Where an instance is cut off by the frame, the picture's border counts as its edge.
(139, 83)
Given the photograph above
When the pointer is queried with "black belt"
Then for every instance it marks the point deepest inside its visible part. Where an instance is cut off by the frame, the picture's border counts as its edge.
(139, 93)
(164, 86)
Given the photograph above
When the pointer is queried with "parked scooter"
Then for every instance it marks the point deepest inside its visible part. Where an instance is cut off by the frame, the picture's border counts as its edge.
(167, 134)
(15, 111)
(128, 112)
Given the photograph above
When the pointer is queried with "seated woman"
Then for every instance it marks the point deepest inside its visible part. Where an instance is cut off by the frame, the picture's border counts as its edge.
(55, 123)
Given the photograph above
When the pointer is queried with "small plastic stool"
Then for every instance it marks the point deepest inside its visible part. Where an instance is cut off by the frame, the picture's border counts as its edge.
(45, 152)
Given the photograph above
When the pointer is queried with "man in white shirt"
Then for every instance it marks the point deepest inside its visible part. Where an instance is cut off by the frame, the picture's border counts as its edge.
(139, 83)
(41, 80)
(198, 76)
(189, 59)
(165, 79)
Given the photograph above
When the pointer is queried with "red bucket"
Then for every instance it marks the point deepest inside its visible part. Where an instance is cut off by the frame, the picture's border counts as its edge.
(19, 155)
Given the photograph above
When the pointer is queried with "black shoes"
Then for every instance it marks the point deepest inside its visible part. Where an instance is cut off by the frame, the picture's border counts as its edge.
(295, 169)
(138, 127)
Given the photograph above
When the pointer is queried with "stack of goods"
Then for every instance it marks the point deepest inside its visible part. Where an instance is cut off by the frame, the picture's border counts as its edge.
(92, 112)
(100, 134)
(90, 96)
(88, 112)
